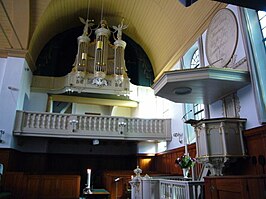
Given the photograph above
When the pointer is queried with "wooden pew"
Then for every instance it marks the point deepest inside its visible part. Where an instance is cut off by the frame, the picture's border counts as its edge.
(27, 186)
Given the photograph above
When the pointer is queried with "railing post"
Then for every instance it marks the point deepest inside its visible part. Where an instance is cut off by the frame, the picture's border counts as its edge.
(179, 189)
(136, 188)
(73, 123)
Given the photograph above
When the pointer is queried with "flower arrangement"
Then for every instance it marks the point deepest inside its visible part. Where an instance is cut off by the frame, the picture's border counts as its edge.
(185, 162)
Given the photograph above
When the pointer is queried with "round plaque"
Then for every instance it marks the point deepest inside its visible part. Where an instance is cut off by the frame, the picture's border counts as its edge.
(221, 38)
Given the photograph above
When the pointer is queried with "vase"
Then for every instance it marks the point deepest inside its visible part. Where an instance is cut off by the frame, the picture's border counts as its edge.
(185, 172)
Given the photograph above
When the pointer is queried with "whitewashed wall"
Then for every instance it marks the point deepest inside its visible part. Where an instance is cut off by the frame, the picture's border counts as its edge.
(11, 91)
(2, 71)
(121, 111)
(248, 107)
(246, 94)
(90, 108)
(36, 102)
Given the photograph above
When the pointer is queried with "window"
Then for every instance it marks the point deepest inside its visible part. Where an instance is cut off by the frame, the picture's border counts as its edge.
(195, 61)
(262, 20)
(254, 32)
(198, 111)
(193, 111)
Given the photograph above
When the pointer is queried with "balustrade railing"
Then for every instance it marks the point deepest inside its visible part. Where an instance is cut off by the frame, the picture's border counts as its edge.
(90, 126)
(180, 189)
(164, 188)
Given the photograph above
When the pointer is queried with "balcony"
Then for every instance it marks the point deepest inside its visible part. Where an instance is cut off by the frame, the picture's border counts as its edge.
(38, 124)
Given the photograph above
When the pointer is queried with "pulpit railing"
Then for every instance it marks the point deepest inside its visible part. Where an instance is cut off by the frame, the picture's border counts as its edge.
(176, 187)
(45, 124)
(180, 189)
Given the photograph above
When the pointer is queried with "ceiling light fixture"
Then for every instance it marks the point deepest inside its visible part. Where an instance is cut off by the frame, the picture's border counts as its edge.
(182, 90)
(95, 142)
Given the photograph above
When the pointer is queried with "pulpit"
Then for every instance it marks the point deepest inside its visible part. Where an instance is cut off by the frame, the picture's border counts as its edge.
(218, 141)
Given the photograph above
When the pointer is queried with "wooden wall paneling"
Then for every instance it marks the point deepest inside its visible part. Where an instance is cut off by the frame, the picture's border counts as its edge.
(15, 161)
(14, 182)
(38, 163)
(168, 163)
(223, 189)
(68, 186)
(23, 186)
(4, 158)
(123, 184)
(257, 188)
(192, 150)
(171, 163)
(164, 162)
(229, 186)
(109, 181)
(32, 186)
(209, 189)
(48, 187)
(11, 160)
(146, 163)
(119, 186)
(256, 146)
(178, 153)
(232, 187)
(157, 165)
(173, 168)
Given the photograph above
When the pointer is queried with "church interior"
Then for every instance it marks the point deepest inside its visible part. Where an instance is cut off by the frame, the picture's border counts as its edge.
(143, 99)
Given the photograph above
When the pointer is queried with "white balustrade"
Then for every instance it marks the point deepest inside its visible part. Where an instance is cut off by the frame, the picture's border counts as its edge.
(64, 122)
(94, 123)
(28, 120)
(180, 189)
(162, 188)
(48, 121)
(87, 126)
(80, 123)
(167, 187)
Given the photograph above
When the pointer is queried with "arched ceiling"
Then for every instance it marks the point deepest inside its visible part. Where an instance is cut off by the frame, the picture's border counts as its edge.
(165, 29)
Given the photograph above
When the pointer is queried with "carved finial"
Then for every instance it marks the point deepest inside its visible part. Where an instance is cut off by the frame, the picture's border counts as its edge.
(88, 23)
(137, 171)
(119, 29)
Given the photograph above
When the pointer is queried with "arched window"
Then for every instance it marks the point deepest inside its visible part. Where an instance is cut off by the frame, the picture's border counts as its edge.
(193, 111)
(195, 60)
(262, 19)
